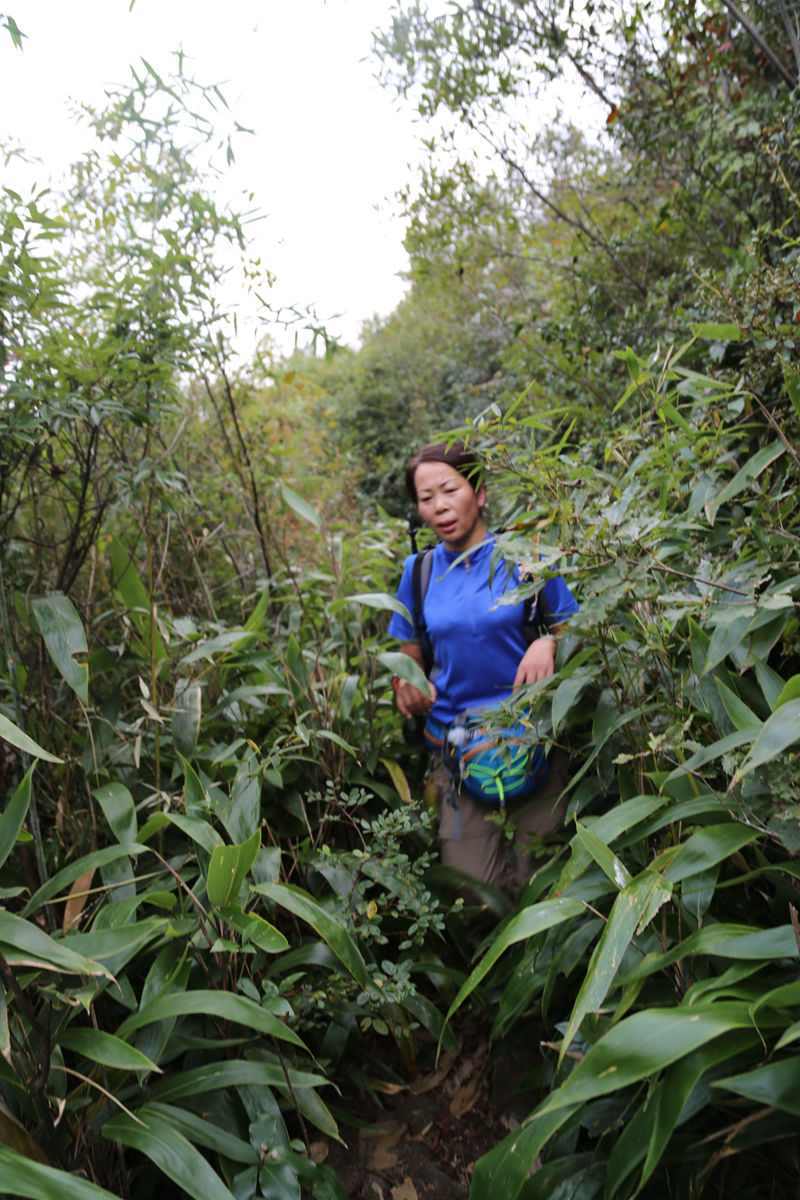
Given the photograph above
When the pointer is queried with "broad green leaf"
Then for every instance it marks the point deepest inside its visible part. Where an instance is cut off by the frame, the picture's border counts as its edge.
(195, 797)
(199, 831)
(776, 1084)
(739, 713)
(235, 1073)
(256, 619)
(501, 1174)
(116, 946)
(778, 732)
(754, 466)
(28, 939)
(63, 879)
(301, 506)
(789, 691)
(161, 1142)
(568, 693)
(718, 332)
(221, 644)
(20, 1176)
(186, 717)
(646, 1135)
(204, 1133)
(524, 924)
(643, 1044)
(381, 600)
(137, 603)
(13, 734)
(255, 929)
(606, 859)
(401, 664)
(715, 750)
(633, 909)
(227, 869)
(14, 814)
(741, 942)
(104, 1048)
(330, 736)
(705, 848)
(118, 809)
(64, 636)
(201, 1002)
(333, 932)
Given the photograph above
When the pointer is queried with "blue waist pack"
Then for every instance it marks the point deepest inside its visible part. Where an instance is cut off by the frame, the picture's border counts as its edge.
(489, 760)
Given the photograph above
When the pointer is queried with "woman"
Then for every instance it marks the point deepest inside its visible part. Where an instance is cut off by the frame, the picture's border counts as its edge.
(481, 656)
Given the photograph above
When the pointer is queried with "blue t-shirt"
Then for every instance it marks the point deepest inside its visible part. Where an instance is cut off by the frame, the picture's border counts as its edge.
(477, 642)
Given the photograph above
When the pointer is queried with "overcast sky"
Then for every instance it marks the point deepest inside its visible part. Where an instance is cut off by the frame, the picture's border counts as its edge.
(330, 149)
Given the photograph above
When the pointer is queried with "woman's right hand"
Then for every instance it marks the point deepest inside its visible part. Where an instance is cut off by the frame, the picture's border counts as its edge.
(411, 701)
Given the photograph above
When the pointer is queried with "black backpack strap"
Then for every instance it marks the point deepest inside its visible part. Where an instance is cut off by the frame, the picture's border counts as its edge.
(420, 579)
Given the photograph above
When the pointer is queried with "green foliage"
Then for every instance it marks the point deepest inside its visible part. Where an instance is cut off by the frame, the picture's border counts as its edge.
(217, 896)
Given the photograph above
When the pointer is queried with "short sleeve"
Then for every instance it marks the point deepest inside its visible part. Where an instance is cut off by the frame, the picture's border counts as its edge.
(399, 626)
(556, 602)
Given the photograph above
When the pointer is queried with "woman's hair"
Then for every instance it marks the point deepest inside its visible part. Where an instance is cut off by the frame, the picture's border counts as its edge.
(455, 455)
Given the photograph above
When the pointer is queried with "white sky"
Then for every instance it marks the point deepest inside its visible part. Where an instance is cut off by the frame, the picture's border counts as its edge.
(330, 149)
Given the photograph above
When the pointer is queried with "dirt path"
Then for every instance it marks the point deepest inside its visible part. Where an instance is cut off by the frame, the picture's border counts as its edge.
(423, 1143)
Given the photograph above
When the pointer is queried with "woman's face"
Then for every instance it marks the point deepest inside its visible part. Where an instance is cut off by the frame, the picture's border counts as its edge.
(447, 503)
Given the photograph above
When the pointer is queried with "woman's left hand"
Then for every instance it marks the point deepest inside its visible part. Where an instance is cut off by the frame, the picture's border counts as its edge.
(538, 662)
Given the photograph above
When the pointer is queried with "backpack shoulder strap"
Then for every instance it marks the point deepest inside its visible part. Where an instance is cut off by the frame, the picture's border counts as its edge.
(420, 579)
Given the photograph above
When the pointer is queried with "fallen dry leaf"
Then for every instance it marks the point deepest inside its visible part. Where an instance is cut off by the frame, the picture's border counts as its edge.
(465, 1098)
(382, 1158)
(428, 1082)
(405, 1191)
(319, 1151)
(380, 1142)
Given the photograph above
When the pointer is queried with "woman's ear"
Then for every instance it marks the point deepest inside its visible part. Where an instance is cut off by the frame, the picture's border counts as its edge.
(480, 496)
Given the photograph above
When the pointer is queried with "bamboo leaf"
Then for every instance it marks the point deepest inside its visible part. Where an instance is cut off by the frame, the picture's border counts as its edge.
(643, 1044)
(118, 809)
(169, 1150)
(186, 717)
(105, 1048)
(754, 466)
(301, 506)
(235, 1073)
(633, 909)
(329, 929)
(28, 938)
(22, 1176)
(725, 940)
(14, 814)
(64, 636)
(201, 1002)
(227, 868)
(742, 716)
(403, 665)
(255, 929)
(503, 1171)
(13, 734)
(789, 691)
(718, 332)
(381, 600)
(398, 778)
(64, 878)
(605, 858)
(136, 599)
(705, 848)
(778, 732)
(776, 1084)
(200, 1132)
(530, 921)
